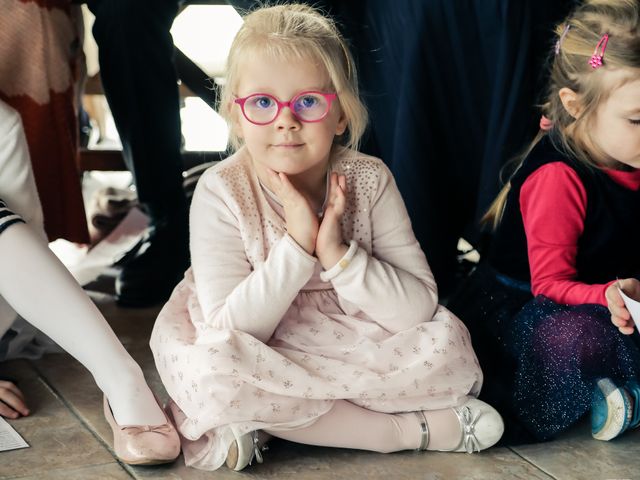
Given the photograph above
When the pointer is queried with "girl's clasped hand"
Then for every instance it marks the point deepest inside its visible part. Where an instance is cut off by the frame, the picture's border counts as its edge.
(318, 232)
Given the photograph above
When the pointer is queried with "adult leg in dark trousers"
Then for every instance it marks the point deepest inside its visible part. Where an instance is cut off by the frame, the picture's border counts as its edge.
(140, 83)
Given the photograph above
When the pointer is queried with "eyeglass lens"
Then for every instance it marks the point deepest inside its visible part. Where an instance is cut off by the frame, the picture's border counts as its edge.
(262, 108)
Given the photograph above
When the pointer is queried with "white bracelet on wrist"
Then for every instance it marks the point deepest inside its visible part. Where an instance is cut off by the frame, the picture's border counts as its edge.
(343, 263)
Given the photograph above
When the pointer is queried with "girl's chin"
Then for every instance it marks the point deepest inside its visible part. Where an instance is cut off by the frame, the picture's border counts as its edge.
(279, 168)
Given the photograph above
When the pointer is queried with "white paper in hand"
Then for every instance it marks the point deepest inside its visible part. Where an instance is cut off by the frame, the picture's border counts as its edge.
(633, 306)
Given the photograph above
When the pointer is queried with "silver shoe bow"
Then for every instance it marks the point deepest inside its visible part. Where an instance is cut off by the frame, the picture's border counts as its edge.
(257, 449)
(468, 424)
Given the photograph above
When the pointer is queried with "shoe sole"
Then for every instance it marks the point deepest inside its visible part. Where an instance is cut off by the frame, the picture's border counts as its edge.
(617, 411)
(240, 454)
(232, 456)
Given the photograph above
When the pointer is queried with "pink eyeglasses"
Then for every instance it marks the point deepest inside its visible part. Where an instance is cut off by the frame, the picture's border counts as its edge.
(263, 109)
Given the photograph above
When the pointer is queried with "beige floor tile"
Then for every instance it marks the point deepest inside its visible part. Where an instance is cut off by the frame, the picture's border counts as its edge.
(287, 461)
(57, 439)
(112, 471)
(575, 455)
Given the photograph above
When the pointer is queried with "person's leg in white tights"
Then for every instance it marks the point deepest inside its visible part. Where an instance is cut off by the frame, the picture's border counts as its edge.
(43, 292)
(349, 426)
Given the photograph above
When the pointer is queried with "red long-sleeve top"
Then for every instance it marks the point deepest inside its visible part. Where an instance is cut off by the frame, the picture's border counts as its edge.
(553, 203)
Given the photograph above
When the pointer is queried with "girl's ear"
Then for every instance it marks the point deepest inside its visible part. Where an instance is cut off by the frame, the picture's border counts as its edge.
(341, 127)
(570, 101)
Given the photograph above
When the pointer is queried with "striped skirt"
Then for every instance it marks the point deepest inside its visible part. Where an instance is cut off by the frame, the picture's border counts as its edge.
(7, 217)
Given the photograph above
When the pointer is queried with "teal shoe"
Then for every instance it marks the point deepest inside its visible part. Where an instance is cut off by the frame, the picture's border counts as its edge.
(614, 409)
(633, 389)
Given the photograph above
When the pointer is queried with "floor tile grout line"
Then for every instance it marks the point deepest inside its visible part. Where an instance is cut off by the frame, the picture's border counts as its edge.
(533, 464)
(54, 470)
(48, 384)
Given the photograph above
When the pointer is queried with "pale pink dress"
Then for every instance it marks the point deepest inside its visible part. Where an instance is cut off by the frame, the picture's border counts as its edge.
(257, 336)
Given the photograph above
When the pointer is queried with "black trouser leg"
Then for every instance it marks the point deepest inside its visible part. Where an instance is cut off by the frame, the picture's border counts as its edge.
(140, 83)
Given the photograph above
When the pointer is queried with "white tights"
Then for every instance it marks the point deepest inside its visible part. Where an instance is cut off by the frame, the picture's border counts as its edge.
(43, 292)
(349, 426)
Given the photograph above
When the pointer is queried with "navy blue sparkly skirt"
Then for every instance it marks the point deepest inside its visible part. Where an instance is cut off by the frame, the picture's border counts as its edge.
(560, 351)
(540, 359)
(487, 305)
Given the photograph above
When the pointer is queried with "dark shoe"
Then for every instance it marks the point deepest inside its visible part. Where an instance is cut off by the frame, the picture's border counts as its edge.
(149, 275)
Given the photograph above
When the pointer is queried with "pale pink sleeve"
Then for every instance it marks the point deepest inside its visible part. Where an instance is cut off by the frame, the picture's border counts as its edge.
(553, 205)
(230, 293)
(394, 285)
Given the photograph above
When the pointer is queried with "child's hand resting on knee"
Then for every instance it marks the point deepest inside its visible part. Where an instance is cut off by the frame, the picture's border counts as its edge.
(12, 403)
(620, 316)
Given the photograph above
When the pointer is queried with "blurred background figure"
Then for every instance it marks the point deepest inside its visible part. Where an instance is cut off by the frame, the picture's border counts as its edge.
(140, 84)
(40, 65)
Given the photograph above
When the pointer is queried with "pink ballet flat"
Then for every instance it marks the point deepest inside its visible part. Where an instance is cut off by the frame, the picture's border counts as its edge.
(143, 444)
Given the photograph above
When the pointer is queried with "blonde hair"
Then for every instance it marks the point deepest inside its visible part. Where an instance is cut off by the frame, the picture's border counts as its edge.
(578, 36)
(296, 32)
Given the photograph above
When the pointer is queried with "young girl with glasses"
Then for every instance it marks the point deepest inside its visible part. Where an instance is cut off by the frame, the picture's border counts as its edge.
(565, 225)
(310, 312)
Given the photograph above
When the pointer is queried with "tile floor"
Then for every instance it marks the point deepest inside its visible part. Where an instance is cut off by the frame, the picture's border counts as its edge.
(70, 439)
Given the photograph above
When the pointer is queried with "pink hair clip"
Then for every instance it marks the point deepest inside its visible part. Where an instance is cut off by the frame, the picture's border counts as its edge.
(545, 123)
(598, 53)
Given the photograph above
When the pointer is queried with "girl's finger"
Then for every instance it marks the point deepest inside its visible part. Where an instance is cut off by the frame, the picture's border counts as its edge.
(333, 183)
(274, 180)
(340, 201)
(613, 295)
(626, 330)
(13, 401)
(7, 385)
(7, 412)
(620, 312)
(286, 187)
(335, 195)
(342, 182)
(618, 321)
(284, 180)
